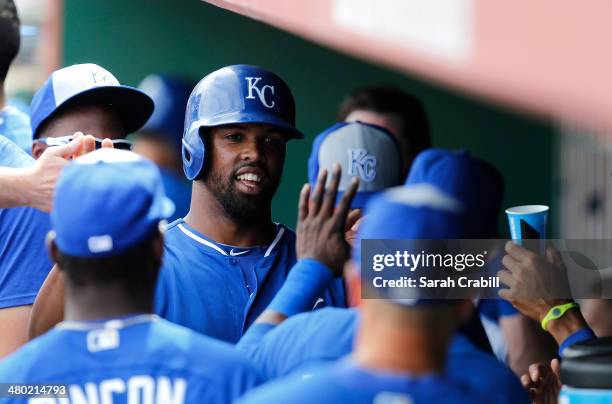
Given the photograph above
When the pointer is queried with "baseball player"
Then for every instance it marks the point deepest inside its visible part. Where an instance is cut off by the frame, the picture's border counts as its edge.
(106, 240)
(400, 348)
(226, 259)
(80, 98)
(364, 152)
(400, 113)
(514, 338)
(160, 138)
(305, 340)
(14, 124)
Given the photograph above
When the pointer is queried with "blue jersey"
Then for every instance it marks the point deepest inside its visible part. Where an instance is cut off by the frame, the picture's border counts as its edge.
(346, 382)
(24, 261)
(178, 189)
(15, 125)
(12, 156)
(491, 312)
(220, 290)
(307, 340)
(120, 360)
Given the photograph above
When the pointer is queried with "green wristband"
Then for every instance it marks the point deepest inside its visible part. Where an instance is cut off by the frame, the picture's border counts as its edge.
(556, 312)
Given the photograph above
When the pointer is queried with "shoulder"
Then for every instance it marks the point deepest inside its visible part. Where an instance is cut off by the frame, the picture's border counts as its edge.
(296, 390)
(487, 375)
(332, 316)
(205, 353)
(326, 324)
(31, 360)
(308, 339)
(173, 231)
(327, 331)
(288, 233)
(176, 245)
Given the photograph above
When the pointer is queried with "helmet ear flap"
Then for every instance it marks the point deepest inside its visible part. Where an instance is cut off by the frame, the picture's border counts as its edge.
(193, 151)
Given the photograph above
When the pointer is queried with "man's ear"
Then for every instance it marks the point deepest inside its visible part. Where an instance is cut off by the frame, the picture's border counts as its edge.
(38, 148)
(52, 248)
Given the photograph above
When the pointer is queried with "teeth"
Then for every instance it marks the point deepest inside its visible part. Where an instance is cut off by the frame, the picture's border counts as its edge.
(249, 177)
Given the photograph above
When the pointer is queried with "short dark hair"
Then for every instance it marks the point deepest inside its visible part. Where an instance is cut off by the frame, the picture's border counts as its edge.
(136, 269)
(388, 99)
(9, 32)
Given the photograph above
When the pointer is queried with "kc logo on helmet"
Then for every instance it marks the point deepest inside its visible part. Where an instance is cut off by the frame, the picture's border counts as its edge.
(362, 164)
(260, 91)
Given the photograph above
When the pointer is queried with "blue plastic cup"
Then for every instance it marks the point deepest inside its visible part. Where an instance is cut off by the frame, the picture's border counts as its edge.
(528, 222)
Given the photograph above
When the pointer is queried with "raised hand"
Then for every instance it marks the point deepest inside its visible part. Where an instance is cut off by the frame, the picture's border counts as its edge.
(321, 227)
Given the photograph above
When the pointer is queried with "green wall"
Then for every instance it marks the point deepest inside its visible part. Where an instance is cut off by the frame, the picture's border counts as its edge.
(136, 37)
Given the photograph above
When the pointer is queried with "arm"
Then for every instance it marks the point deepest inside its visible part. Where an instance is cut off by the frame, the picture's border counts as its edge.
(529, 291)
(48, 309)
(527, 342)
(13, 328)
(321, 247)
(33, 186)
(322, 251)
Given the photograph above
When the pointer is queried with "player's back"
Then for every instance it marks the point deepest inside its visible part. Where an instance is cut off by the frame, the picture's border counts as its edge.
(135, 359)
(345, 381)
(302, 343)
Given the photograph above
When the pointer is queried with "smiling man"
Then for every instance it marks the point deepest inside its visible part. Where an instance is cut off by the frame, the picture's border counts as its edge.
(226, 259)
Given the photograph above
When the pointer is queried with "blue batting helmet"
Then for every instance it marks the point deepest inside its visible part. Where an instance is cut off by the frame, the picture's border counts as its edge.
(235, 94)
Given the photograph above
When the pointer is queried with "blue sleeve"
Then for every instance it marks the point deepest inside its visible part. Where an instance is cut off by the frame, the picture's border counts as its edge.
(582, 335)
(12, 156)
(251, 344)
(301, 342)
(306, 281)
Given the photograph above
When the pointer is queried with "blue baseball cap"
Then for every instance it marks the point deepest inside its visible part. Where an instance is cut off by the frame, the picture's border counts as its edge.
(106, 202)
(91, 84)
(477, 184)
(411, 213)
(170, 95)
(363, 150)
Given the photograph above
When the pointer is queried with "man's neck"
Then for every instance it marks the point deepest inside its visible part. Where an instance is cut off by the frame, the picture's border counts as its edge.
(94, 304)
(207, 216)
(386, 346)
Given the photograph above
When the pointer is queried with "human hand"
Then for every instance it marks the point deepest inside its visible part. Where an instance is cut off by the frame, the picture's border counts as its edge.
(543, 382)
(39, 181)
(321, 227)
(532, 280)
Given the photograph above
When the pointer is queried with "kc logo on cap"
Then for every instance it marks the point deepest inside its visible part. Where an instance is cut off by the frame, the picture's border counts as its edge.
(365, 151)
(361, 164)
